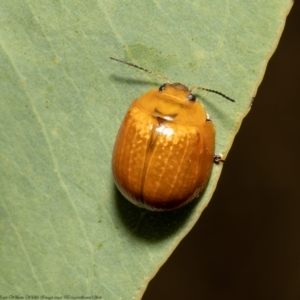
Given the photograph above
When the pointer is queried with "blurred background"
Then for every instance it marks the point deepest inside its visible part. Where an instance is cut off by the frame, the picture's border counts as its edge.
(246, 244)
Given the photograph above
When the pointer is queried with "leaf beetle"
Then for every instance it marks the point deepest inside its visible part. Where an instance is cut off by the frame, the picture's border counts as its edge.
(164, 151)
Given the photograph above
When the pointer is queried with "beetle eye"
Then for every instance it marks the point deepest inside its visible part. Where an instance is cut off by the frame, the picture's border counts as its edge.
(191, 97)
(162, 87)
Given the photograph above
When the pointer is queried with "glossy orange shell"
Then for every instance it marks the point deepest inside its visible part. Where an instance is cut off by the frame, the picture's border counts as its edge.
(163, 154)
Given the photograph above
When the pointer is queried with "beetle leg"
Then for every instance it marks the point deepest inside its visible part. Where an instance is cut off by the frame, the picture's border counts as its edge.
(208, 118)
(218, 158)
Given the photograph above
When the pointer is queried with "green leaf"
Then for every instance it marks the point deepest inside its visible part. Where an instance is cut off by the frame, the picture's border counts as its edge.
(64, 228)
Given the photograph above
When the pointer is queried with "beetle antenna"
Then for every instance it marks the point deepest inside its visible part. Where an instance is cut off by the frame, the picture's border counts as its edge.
(165, 79)
(212, 91)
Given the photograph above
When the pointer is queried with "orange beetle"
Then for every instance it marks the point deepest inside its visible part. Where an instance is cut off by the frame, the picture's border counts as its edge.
(164, 151)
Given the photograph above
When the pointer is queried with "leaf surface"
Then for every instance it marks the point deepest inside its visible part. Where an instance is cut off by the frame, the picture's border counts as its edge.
(64, 228)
